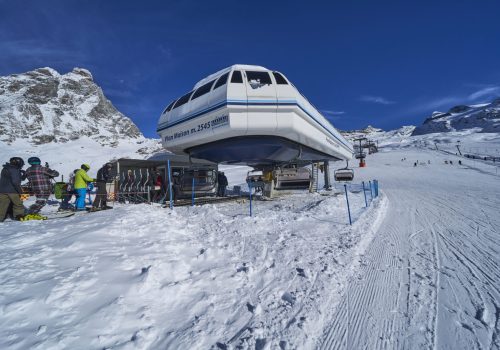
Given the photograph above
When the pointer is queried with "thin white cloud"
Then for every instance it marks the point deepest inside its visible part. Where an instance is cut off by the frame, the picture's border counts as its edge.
(484, 92)
(37, 53)
(376, 99)
(330, 112)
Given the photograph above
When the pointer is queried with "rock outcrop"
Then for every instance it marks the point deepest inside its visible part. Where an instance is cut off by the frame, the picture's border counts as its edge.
(43, 106)
(482, 118)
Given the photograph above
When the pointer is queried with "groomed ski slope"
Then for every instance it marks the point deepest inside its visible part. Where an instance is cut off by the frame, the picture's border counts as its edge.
(431, 277)
(419, 269)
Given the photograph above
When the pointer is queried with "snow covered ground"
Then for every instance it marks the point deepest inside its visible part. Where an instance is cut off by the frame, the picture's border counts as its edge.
(418, 269)
(141, 276)
(431, 277)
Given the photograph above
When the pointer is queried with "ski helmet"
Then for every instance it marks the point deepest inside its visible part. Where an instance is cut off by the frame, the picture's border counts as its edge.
(17, 162)
(34, 161)
(85, 167)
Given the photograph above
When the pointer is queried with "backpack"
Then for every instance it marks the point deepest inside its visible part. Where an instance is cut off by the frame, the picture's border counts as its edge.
(60, 189)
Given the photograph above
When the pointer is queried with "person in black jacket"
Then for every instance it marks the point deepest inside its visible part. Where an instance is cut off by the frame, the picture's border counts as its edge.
(10, 188)
(221, 184)
(104, 176)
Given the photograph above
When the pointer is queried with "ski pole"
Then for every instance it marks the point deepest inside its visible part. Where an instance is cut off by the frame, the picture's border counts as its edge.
(347, 200)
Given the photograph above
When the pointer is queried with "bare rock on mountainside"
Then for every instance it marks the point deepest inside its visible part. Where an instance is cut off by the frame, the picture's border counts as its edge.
(43, 106)
(375, 134)
(482, 118)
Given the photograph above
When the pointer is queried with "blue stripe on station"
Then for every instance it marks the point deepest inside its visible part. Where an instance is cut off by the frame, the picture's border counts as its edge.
(247, 103)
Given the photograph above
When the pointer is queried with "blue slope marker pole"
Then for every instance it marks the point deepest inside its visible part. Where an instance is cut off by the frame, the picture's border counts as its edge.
(170, 185)
(364, 192)
(348, 208)
(192, 193)
(371, 192)
(250, 191)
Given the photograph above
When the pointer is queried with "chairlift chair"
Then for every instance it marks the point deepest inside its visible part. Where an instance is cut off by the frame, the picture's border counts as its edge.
(344, 174)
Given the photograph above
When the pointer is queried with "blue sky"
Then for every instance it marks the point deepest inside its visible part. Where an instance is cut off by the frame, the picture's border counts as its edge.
(385, 63)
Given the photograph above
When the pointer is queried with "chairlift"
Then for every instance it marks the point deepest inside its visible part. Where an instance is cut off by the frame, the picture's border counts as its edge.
(360, 155)
(344, 174)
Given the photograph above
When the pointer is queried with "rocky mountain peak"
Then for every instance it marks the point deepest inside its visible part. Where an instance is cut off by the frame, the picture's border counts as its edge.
(480, 118)
(82, 72)
(44, 106)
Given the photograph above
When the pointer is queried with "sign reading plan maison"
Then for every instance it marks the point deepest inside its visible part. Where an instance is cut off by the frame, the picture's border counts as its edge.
(215, 123)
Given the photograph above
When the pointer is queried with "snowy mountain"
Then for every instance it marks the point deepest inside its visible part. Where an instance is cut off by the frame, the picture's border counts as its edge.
(44, 106)
(56, 116)
(482, 118)
(380, 136)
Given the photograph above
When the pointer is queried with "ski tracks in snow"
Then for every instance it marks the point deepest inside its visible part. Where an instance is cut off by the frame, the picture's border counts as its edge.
(430, 278)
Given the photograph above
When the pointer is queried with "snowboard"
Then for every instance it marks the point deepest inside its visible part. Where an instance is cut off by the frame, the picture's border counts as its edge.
(59, 215)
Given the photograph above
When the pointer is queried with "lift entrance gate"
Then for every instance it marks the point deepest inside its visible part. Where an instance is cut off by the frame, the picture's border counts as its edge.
(144, 181)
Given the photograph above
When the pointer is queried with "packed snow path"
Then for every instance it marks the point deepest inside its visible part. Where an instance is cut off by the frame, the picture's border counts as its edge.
(431, 277)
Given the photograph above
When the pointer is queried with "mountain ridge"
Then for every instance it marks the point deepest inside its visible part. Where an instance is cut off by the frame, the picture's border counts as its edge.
(66, 120)
(485, 118)
(45, 106)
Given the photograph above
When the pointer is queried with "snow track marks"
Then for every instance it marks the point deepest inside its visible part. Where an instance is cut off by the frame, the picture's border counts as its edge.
(430, 278)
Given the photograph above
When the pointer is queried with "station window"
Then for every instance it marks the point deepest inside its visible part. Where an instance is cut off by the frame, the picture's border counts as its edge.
(183, 100)
(236, 78)
(202, 90)
(280, 80)
(222, 80)
(169, 107)
(261, 77)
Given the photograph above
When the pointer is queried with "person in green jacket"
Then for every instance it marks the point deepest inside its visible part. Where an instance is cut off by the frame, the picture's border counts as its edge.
(80, 186)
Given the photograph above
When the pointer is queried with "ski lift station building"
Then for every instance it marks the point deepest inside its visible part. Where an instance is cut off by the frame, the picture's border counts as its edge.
(249, 115)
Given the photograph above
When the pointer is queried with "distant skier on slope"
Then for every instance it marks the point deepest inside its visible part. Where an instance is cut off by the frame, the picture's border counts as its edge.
(81, 181)
(10, 188)
(39, 178)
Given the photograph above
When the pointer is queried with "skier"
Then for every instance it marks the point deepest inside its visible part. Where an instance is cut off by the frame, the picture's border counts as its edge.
(81, 181)
(103, 177)
(10, 188)
(39, 178)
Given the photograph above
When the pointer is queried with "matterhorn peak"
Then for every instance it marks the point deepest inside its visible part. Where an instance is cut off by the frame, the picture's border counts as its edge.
(43, 106)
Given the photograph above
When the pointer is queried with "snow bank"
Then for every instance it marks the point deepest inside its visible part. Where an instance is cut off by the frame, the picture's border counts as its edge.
(140, 276)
